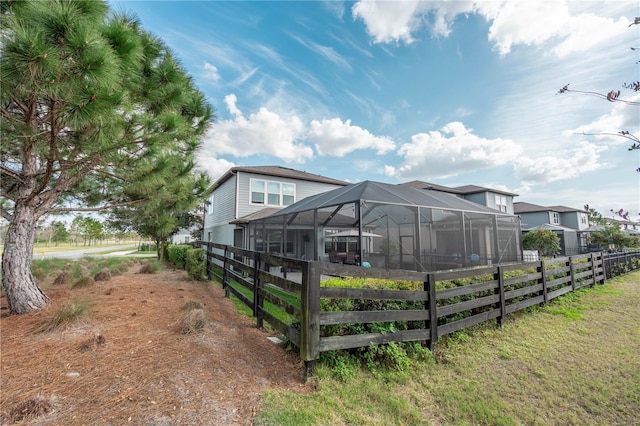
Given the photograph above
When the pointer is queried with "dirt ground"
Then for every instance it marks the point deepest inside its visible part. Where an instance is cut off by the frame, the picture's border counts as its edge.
(128, 361)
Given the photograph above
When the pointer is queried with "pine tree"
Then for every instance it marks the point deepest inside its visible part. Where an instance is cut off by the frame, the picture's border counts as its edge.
(91, 106)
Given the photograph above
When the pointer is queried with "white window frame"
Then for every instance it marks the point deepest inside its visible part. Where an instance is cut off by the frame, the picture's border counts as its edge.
(555, 217)
(210, 204)
(501, 203)
(280, 192)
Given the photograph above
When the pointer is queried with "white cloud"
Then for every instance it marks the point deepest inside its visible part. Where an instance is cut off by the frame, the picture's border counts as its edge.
(524, 22)
(606, 127)
(215, 167)
(262, 133)
(544, 169)
(388, 21)
(327, 52)
(451, 151)
(211, 72)
(586, 31)
(560, 26)
(337, 138)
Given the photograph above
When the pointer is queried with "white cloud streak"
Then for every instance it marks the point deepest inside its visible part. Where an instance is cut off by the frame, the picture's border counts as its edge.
(544, 169)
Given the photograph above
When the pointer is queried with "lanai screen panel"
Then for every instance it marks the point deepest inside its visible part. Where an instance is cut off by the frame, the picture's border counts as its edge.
(509, 239)
(393, 241)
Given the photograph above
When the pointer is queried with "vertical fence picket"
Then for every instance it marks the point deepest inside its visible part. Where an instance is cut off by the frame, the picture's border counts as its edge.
(500, 290)
(433, 311)
(225, 274)
(310, 316)
(572, 273)
(258, 300)
(543, 281)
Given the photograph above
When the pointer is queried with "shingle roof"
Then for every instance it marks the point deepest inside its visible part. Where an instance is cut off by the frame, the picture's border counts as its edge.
(462, 190)
(474, 189)
(267, 211)
(278, 171)
(418, 184)
(522, 207)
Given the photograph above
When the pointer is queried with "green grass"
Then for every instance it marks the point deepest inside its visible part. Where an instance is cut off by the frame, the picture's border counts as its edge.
(574, 362)
(269, 307)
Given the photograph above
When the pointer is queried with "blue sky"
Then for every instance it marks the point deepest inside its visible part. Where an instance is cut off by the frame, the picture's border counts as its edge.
(453, 93)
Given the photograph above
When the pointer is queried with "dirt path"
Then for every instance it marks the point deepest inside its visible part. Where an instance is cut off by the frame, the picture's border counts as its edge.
(129, 363)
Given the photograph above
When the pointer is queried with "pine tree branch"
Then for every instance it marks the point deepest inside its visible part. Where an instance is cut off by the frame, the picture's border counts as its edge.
(93, 209)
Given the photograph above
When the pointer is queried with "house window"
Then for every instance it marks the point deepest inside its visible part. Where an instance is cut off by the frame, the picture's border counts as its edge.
(210, 205)
(556, 218)
(257, 191)
(584, 218)
(501, 203)
(272, 193)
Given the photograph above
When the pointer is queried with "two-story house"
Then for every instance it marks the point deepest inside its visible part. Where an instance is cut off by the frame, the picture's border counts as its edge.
(568, 223)
(245, 193)
(488, 197)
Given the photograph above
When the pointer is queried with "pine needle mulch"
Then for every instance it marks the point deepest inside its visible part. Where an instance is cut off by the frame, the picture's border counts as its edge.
(128, 359)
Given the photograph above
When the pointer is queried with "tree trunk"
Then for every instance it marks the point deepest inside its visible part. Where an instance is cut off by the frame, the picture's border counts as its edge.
(23, 293)
(160, 247)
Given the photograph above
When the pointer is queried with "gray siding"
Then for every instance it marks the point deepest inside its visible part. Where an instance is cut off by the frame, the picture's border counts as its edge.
(573, 220)
(216, 224)
(482, 199)
(488, 199)
(529, 220)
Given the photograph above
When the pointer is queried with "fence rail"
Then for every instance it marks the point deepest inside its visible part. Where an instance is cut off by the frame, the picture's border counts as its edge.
(287, 293)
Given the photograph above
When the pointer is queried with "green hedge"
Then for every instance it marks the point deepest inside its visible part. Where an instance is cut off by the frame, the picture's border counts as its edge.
(196, 264)
(177, 254)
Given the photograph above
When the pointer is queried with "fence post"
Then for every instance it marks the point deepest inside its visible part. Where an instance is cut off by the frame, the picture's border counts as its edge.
(258, 300)
(310, 316)
(593, 269)
(500, 291)
(208, 260)
(225, 274)
(543, 280)
(572, 273)
(430, 286)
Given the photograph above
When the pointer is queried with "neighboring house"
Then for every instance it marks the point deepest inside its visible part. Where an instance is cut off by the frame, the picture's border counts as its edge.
(488, 197)
(246, 193)
(182, 236)
(570, 224)
(627, 226)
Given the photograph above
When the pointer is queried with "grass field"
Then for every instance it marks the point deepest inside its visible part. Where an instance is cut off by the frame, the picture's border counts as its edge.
(574, 362)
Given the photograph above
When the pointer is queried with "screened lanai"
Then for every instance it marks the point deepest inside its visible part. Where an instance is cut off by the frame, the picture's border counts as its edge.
(390, 226)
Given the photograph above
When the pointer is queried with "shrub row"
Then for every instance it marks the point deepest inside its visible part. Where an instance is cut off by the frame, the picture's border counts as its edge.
(191, 259)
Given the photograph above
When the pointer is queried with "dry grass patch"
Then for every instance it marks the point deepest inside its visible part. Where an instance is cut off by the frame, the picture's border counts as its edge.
(83, 282)
(103, 275)
(64, 278)
(30, 409)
